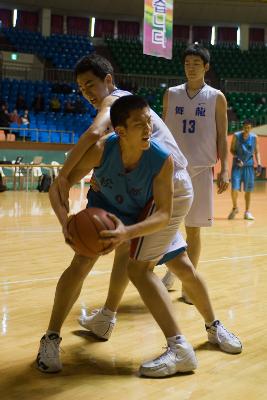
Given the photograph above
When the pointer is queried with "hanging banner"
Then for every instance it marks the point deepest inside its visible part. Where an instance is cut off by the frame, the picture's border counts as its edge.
(158, 26)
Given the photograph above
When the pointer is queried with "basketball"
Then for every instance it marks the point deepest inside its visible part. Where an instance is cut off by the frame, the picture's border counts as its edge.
(84, 230)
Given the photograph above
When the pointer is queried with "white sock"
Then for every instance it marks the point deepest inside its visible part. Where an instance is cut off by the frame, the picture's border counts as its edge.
(108, 312)
(209, 324)
(173, 340)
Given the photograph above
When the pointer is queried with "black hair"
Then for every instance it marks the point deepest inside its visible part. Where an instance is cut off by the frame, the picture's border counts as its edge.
(247, 122)
(94, 63)
(121, 109)
(197, 50)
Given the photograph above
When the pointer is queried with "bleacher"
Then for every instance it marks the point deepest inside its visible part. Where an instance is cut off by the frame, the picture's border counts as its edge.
(63, 51)
(47, 126)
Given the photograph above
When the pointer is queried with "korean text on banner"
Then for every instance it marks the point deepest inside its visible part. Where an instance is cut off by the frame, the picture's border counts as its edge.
(158, 27)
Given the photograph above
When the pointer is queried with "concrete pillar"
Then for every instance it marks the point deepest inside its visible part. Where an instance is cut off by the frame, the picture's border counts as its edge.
(116, 29)
(190, 39)
(141, 31)
(216, 35)
(45, 21)
(244, 37)
(64, 24)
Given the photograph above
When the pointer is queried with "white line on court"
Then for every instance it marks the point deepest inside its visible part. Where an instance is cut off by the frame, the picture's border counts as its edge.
(30, 231)
(234, 258)
(45, 279)
(108, 271)
(235, 234)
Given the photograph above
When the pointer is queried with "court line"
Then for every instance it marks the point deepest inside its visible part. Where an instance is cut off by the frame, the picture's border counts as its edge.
(204, 234)
(234, 258)
(46, 279)
(25, 231)
(234, 234)
(108, 271)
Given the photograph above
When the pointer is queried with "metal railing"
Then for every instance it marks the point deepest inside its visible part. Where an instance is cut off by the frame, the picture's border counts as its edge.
(21, 72)
(26, 133)
(149, 81)
(244, 85)
(12, 71)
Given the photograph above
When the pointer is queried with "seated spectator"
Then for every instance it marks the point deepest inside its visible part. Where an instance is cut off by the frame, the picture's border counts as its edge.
(69, 107)
(79, 107)
(64, 88)
(14, 117)
(21, 103)
(55, 104)
(4, 118)
(25, 119)
(38, 103)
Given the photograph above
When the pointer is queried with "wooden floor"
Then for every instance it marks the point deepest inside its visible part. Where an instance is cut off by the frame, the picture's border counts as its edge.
(32, 257)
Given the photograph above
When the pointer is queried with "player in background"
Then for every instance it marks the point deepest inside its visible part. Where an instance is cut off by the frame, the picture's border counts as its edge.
(243, 147)
(196, 114)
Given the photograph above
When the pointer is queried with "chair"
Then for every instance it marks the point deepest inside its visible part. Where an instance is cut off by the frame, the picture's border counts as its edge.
(2, 136)
(36, 171)
(11, 137)
(17, 173)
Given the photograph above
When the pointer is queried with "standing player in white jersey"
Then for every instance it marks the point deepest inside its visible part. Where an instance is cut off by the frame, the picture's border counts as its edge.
(196, 114)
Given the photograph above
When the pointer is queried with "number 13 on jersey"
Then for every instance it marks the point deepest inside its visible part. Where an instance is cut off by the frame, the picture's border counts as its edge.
(189, 126)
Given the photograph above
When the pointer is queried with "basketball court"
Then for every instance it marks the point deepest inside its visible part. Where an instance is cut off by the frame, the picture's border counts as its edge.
(33, 255)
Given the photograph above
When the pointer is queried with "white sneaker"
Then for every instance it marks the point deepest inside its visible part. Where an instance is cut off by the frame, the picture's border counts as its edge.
(248, 216)
(48, 359)
(182, 359)
(233, 213)
(98, 323)
(168, 280)
(227, 341)
(186, 298)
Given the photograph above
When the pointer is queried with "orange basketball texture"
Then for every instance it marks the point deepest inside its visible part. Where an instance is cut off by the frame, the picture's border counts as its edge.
(84, 230)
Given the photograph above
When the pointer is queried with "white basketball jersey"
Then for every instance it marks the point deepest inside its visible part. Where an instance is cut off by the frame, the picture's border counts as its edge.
(193, 124)
(163, 135)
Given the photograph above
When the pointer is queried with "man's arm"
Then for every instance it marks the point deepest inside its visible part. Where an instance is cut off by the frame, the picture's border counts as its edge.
(165, 104)
(98, 128)
(163, 198)
(258, 158)
(257, 152)
(222, 127)
(233, 145)
(90, 160)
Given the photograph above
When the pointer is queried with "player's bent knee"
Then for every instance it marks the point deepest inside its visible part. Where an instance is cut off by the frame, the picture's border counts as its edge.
(182, 267)
(137, 269)
(82, 264)
(192, 233)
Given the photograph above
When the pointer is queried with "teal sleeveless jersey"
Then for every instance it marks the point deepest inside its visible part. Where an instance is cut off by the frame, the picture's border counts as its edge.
(245, 148)
(125, 194)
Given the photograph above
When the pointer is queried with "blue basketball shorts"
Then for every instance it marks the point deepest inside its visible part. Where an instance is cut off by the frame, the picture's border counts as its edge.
(243, 175)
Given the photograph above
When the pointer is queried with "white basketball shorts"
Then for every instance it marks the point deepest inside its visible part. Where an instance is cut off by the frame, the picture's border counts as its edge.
(154, 247)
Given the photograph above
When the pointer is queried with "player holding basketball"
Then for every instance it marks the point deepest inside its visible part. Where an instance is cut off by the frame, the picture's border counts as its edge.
(136, 171)
(196, 114)
(243, 147)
